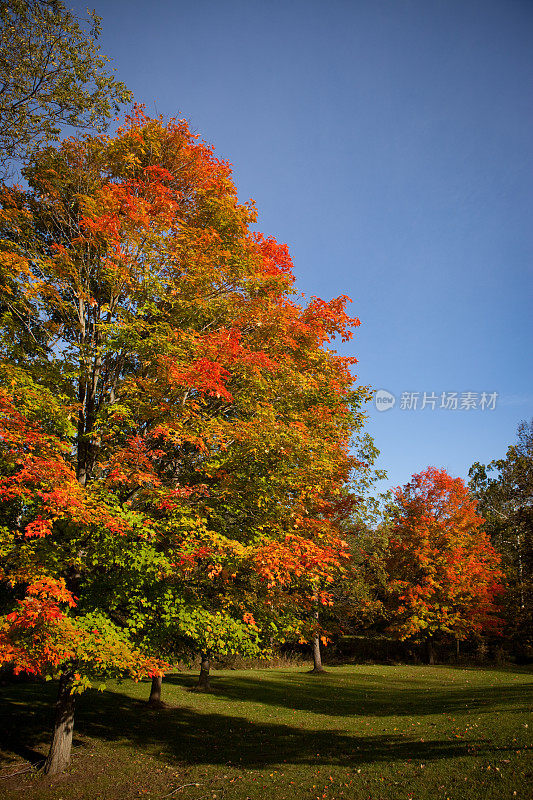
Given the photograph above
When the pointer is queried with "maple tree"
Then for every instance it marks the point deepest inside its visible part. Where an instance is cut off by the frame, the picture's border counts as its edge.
(443, 572)
(176, 439)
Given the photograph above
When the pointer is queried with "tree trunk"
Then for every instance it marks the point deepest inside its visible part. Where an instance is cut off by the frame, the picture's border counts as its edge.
(317, 658)
(203, 684)
(59, 754)
(430, 652)
(155, 691)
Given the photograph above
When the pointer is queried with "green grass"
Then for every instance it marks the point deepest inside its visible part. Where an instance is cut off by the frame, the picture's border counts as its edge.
(365, 732)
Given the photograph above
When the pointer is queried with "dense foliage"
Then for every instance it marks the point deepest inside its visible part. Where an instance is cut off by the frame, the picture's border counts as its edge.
(443, 573)
(504, 489)
(175, 430)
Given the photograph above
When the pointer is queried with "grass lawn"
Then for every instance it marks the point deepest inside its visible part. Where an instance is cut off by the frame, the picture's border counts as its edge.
(365, 732)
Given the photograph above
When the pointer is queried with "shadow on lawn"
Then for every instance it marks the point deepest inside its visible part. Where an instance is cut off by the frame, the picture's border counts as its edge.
(332, 696)
(188, 736)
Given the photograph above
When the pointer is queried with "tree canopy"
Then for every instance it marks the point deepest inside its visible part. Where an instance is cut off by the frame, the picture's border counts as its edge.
(52, 74)
(444, 572)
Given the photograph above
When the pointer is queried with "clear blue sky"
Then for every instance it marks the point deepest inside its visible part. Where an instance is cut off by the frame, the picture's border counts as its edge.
(389, 143)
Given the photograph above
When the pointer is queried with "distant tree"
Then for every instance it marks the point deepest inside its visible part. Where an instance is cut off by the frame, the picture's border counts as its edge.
(51, 75)
(443, 572)
(504, 490)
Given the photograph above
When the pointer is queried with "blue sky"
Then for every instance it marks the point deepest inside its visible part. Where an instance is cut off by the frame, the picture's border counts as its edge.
(389, 143)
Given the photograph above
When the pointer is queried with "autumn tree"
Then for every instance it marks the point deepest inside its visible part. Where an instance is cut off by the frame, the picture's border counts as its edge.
(51, 75)
(443, 573)
(504, 490)
(200, 422)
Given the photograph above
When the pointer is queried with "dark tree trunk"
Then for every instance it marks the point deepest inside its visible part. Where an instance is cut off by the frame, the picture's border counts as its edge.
(155, 691)
(59, 754)
(203, 684)
(317, 657)
(430, 652)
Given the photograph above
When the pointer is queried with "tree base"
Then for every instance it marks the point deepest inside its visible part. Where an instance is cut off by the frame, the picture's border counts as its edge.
(316, 671)
(155, 704)
(59, 755)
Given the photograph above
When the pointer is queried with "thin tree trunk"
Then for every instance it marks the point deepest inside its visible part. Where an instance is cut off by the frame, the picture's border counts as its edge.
(203, 684)
(87, 393)
(155, 691)
(430, 652)
(317, 657)
(59, 754)
(520, 572)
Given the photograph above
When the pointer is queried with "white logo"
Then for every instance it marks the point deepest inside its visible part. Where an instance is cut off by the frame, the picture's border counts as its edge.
(384, 400)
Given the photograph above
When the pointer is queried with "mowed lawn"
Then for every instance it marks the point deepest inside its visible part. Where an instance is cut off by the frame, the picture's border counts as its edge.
(368, 732)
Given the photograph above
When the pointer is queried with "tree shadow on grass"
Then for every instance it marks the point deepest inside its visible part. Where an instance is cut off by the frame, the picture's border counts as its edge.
(189, 737)
(338, 698)
(26, 721)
